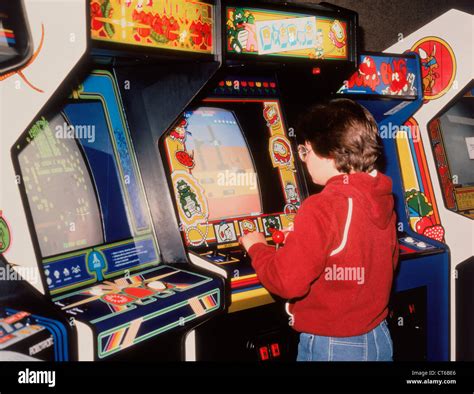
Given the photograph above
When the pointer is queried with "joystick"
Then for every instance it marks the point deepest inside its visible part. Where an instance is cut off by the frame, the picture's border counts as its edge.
(277, 236)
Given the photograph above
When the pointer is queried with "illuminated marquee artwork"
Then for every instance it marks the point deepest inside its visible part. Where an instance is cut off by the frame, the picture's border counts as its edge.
(382, 75)
(181, 25)
(261, 32)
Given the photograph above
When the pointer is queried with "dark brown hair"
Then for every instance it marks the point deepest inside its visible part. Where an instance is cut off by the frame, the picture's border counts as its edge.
(342, 130)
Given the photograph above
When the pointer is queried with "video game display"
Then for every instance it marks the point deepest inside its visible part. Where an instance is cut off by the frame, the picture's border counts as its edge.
(85, 195)
(222, 164)
(66, 219)
(452, 140)
(232, 171)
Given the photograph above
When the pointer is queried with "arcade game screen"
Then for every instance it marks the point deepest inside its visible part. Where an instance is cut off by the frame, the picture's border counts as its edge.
(14, 36)
(220, 149)
(55, 208)
(90, 222)
(231, 161)
(452, 139)
(457, 129)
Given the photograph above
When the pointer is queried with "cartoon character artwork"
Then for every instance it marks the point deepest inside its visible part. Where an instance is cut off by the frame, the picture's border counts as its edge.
(184, 158)
(187, 199)
(419, 206)
(248, 226)
(271, 223)
(155, 23)
(281, 153)
(430, 64)
(225, 232)
(438, 66)
(367, 75)
(5, 238)
(101, 13)
(270, 114)
(319, 41)
(368, 72)
(192, 207)
(292, 195)
(241, 31)
(397, 78)
(180, 132)
(337, 34)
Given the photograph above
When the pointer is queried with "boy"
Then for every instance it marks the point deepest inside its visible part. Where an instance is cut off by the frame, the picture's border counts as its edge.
(337, 264)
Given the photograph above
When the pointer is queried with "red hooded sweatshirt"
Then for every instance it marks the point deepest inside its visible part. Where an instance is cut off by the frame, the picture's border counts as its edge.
(337, 265)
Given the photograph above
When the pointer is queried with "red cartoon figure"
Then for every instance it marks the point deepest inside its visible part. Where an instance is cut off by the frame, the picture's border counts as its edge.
(395, 78)
(281, 151)
(180, 131)
(185, 158)
(366, 76)
(271, 115)
(368, 72)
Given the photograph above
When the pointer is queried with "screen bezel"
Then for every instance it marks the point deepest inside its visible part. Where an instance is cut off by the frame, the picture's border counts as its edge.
(214, 102)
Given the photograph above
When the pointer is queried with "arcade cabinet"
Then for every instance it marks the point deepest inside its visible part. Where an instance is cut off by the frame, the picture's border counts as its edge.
(451, 135)
(230, 160)
(15, 39)
(86, 199)
(390, 87)
(437, 168)
(31, 329)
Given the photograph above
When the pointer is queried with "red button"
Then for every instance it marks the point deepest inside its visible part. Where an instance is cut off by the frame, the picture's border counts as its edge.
(264, 353)
(275, 350)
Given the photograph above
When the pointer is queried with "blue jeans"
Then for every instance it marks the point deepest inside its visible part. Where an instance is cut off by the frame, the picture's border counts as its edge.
(376, 345)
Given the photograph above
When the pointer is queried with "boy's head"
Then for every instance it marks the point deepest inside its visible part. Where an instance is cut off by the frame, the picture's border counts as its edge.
(340, 137)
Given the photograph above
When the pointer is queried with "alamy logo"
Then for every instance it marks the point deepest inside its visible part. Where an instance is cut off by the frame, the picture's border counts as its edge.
(19, 273)
(394, 131)
(334, 272)
(233, 178)
(37, 377)
(86, 132)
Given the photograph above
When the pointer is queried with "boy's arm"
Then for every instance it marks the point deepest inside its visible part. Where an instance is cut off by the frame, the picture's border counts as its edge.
(289, 271)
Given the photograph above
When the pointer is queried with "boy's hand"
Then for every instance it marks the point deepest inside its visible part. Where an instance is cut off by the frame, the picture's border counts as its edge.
(250, 239)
